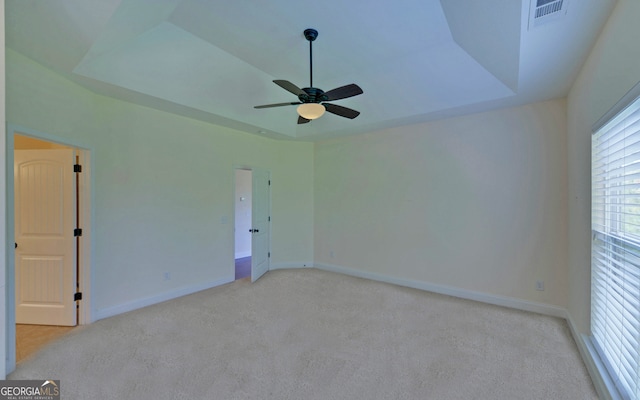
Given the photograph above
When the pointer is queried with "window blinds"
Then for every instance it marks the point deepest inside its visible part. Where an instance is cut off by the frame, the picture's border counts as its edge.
(615, 259)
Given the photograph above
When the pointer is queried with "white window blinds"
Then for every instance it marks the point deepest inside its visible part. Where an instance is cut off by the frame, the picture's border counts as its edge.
(615, 259)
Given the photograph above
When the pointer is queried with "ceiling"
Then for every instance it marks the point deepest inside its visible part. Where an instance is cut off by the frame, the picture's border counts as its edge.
(213, 60)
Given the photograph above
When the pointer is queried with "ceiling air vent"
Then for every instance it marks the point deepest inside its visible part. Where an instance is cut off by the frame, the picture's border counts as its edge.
(543, 11)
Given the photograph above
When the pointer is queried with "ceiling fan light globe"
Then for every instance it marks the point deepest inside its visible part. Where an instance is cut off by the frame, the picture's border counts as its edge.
(311, 110)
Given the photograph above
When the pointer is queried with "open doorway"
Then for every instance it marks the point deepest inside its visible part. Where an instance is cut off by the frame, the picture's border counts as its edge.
(252, 218)
(243, 201)
(48, 203)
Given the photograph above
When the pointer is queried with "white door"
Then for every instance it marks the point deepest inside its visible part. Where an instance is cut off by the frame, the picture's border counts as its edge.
(260, 223)
(45, 256)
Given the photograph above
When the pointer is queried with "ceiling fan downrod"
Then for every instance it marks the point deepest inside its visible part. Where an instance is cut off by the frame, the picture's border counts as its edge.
(311, 35)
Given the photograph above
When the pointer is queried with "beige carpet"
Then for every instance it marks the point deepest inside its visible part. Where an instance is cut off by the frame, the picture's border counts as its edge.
(310, 334)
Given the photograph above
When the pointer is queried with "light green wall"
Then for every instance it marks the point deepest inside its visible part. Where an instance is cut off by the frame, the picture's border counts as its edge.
(613, 68)
(476, 203)
(163, 186)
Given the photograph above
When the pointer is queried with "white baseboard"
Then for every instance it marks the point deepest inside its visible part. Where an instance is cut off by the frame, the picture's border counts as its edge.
(504, 301)
(599, 376)
(290, 265)
(140, 303)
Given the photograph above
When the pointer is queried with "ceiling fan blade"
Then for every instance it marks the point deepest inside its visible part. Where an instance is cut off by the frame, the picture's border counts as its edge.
(302, 120)
(286, 85)
(278, 105)
(341, 111)
(343, 92)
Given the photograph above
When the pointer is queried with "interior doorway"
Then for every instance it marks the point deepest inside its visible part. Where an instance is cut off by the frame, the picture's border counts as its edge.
(252, 218)
(49, 220)
(243, 201)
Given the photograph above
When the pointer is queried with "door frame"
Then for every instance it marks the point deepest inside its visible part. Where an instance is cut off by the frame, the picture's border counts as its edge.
(233, 217)
(86, 214)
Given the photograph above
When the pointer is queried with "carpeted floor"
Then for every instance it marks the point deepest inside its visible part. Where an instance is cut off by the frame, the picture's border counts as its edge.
(311, 334)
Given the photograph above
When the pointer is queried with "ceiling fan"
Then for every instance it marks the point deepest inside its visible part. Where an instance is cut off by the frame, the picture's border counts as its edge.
(313, 101)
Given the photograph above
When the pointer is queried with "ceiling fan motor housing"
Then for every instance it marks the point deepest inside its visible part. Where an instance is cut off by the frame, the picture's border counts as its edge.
(312, 95)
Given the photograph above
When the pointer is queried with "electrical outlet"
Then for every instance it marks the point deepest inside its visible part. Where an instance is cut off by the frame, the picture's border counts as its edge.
(540, 286)
(167, 276)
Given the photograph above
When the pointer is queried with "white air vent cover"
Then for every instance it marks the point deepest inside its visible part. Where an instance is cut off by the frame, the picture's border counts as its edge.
(543, 11)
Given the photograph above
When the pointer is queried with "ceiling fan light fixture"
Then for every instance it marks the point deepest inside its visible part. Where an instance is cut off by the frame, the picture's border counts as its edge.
(311, 110)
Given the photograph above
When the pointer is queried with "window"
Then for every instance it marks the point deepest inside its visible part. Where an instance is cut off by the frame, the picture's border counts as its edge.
(615, 258)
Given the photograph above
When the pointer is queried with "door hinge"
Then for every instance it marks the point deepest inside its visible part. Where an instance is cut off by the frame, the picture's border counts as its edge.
(269, 254)
(77, 296)
(77, 232)
(269, 218)
(269, 182)
(77, 168)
